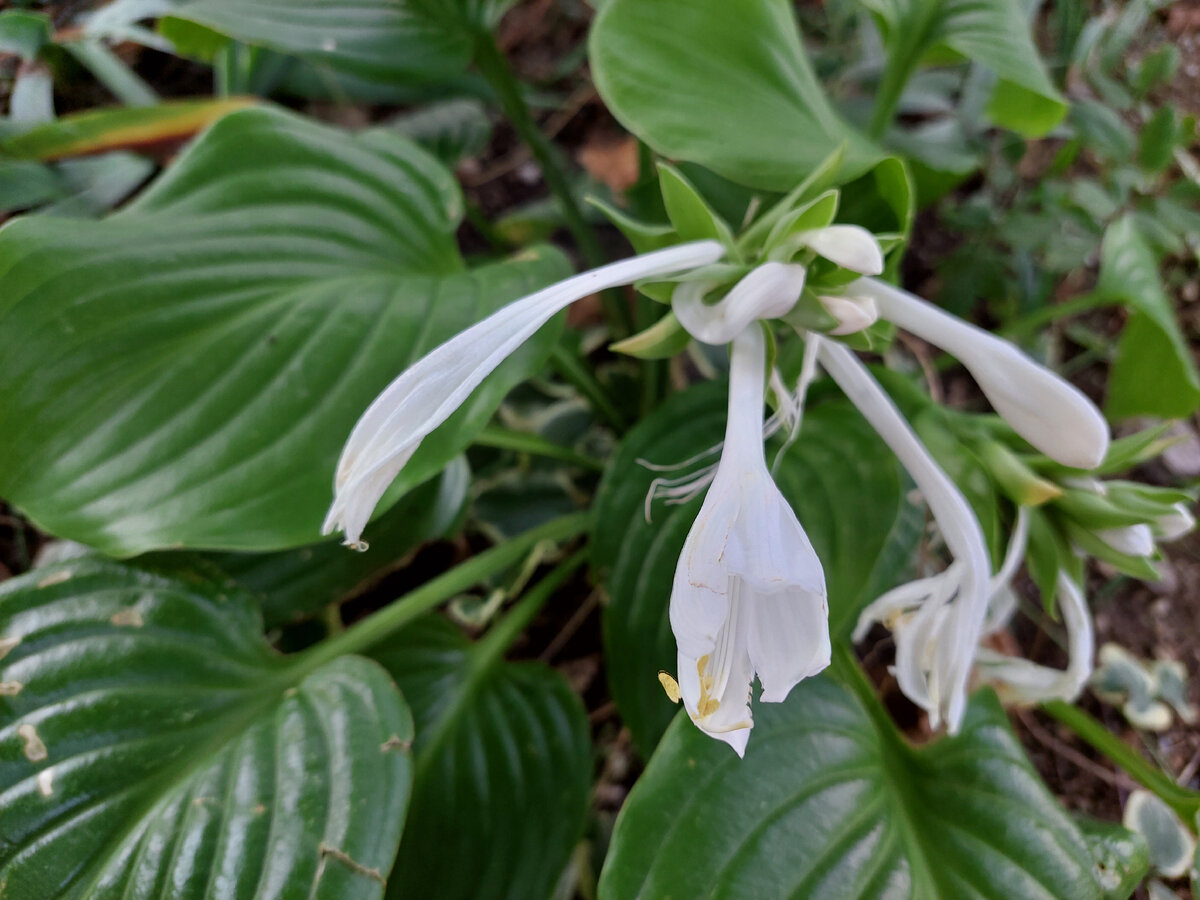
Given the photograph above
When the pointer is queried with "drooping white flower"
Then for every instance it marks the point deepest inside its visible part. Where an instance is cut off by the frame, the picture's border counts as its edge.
(1053, 415)
(749, 591)
(425, 395)
(767, 292)
(937, 621)
(849, 246)
(1132, 540)
(1022, 681)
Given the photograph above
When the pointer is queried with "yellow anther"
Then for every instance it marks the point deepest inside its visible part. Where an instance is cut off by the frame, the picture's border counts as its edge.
(707, 704)
(670, 685)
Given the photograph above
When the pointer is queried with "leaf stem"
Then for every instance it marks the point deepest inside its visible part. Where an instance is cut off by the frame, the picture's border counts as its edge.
(536, 445)
(584, 381)
(1185, 802)
(499, 74)
(375, 628)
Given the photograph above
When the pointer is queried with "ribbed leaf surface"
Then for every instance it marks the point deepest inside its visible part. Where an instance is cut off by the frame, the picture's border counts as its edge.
(503, 770)
(152, 745)
(185, 372)
(831, 802)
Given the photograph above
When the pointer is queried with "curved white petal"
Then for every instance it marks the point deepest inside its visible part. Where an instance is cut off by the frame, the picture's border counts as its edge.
(1027, 682)
(850, 246)
(852, 314)
(767, 292)
(787, 639)
(1053, 415)
(428, 391)
(958, 631)
(1175, 524)
(1133, 540)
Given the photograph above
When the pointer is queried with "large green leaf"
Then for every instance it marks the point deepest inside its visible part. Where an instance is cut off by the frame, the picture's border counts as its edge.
(831, 802)
(725, 84)
(291, 584)
(382, 41)
(152, 744)
(503, 769)
(846, 487)
(184, 373)
(1154, 372)
(993, 33)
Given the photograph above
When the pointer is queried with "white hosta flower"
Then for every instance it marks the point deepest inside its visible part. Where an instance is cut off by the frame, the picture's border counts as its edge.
(848, 246)
(1132, 540)
(425, 395)
(937, 621)
(749, 592)
(1022, 681)
(1175, 524)
(1053, 415)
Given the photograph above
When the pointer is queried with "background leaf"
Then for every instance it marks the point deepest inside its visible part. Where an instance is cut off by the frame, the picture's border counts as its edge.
(503, 768)
(830, 801)
(150, 738)
(185, 372)
(1154, 373)
(295, 583)
(846, 487)
(726, 85)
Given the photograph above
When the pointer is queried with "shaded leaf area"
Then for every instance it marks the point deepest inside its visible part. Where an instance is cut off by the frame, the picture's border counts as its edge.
(831, 802)
(185, 372)
(374, 41)
(992, 33)
(503, 768)
(726, 85)
(292, 584)
(846, 487)
(151, 742)
(1154, 372)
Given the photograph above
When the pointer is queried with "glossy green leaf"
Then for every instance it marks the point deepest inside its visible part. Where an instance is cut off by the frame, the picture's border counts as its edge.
(1154, 373)
(371, 40)
(151, 744)
(830, 801)
(993, 33)
(1122, 856)
(723, 84)
(295, 583)
(848, 492)
(185, 372)
(503, 769)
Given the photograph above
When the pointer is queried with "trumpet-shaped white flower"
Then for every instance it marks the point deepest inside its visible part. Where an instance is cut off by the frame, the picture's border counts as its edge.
(1053, 415)
(937, 621)
(749, 592)
(425, 395)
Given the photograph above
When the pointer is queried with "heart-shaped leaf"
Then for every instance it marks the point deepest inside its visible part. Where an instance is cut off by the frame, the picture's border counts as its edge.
(1154, 372)
(503, 768)
(830, 801)
(725, 84)
(184, 372)
(846, 487)
(151, 742)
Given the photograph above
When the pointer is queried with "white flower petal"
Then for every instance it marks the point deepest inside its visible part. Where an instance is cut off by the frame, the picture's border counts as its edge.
(788, 638)
(1175, 524)
(428, 391)
(767, 292)
(849, 246)
(1132, 540)
(853, 314)
(1053, 415)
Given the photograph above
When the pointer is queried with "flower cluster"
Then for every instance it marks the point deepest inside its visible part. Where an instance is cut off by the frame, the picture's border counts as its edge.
(749, 599)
